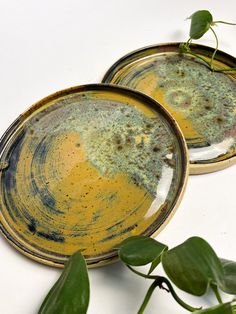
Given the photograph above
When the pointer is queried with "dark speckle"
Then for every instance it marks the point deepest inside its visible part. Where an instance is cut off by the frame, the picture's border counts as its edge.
(156, 148)
(32, 226)
(220, 119)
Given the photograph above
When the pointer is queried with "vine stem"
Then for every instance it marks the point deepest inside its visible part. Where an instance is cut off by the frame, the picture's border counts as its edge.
(141, 274)
(159, 281)
(176, 297)
(217, 45)
(222, 22)
(188, 43)
(148, 296)
(209, 64)
(199, 57)
(217, 294)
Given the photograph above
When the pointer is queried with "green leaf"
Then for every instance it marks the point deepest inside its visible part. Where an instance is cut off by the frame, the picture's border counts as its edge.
(200, 23)
(219, 309)
(229, 285)
(193, 266)
(70, 294)
(138, 251)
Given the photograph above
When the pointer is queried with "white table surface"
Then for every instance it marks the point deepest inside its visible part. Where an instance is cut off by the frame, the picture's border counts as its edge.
(49, 45)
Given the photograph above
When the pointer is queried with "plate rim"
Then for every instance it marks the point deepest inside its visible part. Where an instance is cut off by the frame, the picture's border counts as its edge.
(22, 246)
(195, 168)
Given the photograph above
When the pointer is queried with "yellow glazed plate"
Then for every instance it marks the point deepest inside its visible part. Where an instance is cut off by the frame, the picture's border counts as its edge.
(87, 167)
(202, 102)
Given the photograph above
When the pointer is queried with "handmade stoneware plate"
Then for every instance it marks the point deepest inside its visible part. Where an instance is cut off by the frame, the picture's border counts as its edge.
(202, 102)
(87, 167)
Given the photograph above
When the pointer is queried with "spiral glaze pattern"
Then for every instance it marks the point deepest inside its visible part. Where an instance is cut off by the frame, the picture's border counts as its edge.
(85, 170)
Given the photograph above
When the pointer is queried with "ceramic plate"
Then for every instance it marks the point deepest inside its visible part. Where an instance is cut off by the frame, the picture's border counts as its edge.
(202, 102)
(87, 167)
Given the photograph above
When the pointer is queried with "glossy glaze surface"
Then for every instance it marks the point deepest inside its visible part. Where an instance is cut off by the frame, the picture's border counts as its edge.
(202, 102)
(84, 169)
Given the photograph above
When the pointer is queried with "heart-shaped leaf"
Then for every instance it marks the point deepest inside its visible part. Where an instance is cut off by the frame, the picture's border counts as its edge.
(138, 251)
(193, 266)
(200, 23)
(70, 294)
(229, 285)
(219, 309)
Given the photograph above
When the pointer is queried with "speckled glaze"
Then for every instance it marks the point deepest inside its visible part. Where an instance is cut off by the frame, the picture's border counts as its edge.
(87, 167)
(202, 102)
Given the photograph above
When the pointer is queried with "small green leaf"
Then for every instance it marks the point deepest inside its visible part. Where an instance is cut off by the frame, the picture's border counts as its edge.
(138, 251)
(70, 294)
(229, 285)
(193, 266)
(219, 309)
(200, 23)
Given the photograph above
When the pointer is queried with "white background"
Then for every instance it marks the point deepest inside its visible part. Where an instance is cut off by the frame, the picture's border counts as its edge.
(49, 45)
